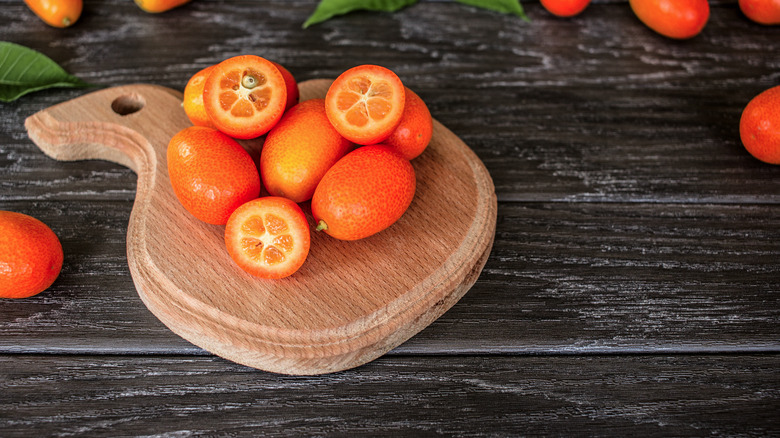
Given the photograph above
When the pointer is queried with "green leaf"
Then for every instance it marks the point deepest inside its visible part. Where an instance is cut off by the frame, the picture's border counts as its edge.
(328, 9)
(504, 6)
(23, 70)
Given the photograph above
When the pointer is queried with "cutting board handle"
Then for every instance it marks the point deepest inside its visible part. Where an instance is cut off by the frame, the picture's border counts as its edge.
(130, 125)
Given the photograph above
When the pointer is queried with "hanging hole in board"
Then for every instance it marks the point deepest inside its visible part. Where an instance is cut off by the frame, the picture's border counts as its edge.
(127, 104)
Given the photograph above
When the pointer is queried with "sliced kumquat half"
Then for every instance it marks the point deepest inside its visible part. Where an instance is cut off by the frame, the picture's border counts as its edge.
(268, 237)
(365, 103)
(245, 96)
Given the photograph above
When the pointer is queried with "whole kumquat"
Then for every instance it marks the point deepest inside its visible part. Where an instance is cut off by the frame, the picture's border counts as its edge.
(365, 192)
(299, 150)
(30, 255)
(678, 19)
(57, 13)
(759, 126)
(211, 174)
(193, 98)
(565, 8)
(414, 131)
(293, 93)
(761, 11)
(157, 6)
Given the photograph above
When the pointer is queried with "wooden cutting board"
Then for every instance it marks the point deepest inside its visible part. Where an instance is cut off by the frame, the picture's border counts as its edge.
(350, 303)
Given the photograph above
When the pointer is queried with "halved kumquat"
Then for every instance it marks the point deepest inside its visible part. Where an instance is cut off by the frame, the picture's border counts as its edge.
(365, 103)
(245, 96)
(268, 237)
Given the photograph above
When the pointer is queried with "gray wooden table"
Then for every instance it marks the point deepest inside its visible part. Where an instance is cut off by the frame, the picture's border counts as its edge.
(634, 284)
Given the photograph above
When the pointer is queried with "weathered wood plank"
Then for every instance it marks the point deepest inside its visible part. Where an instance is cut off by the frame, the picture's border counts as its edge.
(631, 220)
(579, 277)
(595, 108)
(419, 396)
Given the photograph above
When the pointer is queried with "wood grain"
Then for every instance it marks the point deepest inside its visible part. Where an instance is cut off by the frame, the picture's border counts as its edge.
(634, 269)
(574, 278)
(596, 108)
(410, 396)
(351, 301)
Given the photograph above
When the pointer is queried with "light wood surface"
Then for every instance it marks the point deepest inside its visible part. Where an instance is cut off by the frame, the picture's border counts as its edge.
(350, 303)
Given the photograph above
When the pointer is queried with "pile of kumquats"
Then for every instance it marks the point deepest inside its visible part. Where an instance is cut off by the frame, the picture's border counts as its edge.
(348, 154)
